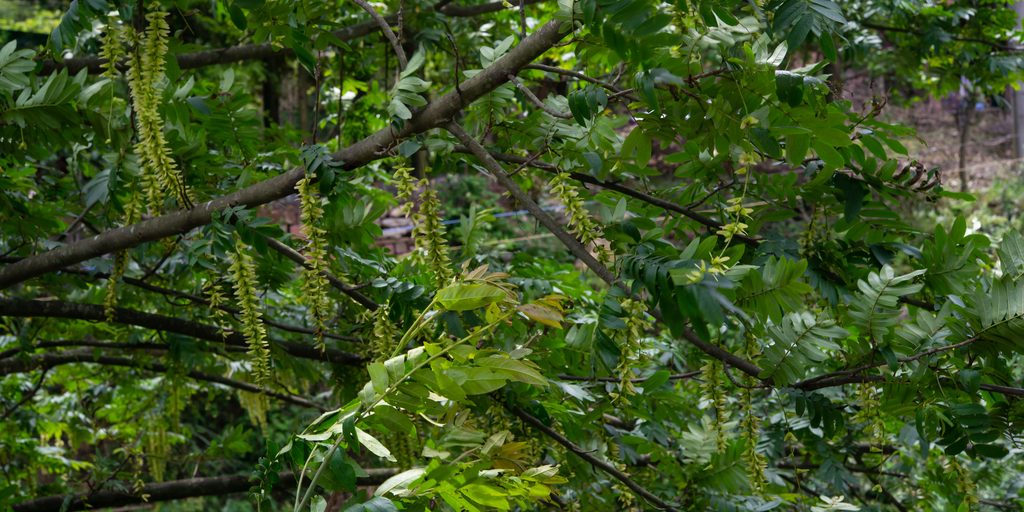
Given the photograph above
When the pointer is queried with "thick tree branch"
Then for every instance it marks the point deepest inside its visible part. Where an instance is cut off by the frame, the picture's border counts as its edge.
(438, 112)
(92, 312)
(593, 461)
(174, 490)
(297, 257)
(86, 355)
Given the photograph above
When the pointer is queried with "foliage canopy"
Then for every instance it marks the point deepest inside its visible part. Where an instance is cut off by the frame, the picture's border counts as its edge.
(748, 326)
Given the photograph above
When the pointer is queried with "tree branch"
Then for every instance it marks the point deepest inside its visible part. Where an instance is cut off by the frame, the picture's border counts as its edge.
(993, 44)
(28, 396)
(199, 300)
(536, 101)
(677, 376)
(357, 155)
(388, 33)
(86, 355)
(581, 252)
(92, 312)
(580, 76)
(297, 257)
(173, 490)
(259, 51)
(926, 353)
(624, 190)
(593, 461)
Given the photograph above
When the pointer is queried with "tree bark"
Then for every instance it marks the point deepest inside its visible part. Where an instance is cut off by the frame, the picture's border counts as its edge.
(174, 490)
(361, 153)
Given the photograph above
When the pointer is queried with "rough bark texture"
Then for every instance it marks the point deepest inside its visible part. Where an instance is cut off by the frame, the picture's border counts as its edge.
(437, 113)
(174, 490)
(92, 312)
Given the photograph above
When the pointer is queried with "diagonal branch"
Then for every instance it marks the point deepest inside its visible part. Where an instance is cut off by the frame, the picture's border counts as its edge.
(536, 101)
(87, 355)
(357, 155)
(593, 461)
(581, 252)
(28, 396)
(580, 76)
(386, 28)
(95, 313)
(297, 257)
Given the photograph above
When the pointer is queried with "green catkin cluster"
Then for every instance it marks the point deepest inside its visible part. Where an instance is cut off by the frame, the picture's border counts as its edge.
(110, 300)
(406, 185)
(750, 428)
(243, 272)
(632, 348)
(404, 448)
(132, 212)
(256, 405)
(383, 340)
(111, 50)
(159, 173)
(314, 283)
(584, 226)
(215, 294)
(712, 390)
(871, 413)
(156, 448)
(429, 237)
(964, 484)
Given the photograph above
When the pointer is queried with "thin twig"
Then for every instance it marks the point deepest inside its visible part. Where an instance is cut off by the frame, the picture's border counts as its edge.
(529, 94)
(677, 376)
(859, 369)
(593, 461)
(386, 29)
(297, 257)
(28, 396)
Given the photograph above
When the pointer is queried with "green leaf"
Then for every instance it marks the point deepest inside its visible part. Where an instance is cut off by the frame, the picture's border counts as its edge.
(394, 420)
(853, 195)
(829, 154)
(371, 443)
(378, 377)
(463, 297)
(828, 46)
(518, 370)
(249, 4)
(238, 17)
